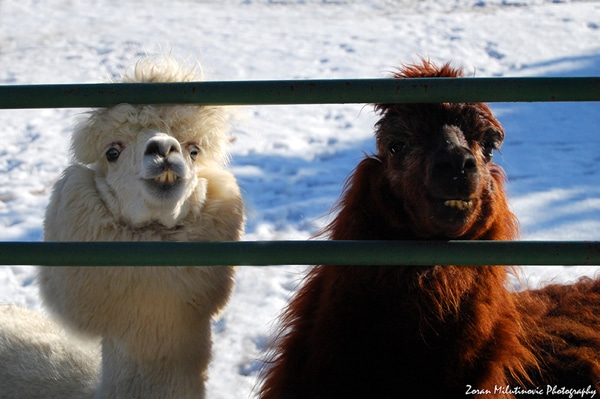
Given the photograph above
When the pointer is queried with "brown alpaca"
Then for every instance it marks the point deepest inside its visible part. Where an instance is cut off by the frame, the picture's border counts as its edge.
(436, 331)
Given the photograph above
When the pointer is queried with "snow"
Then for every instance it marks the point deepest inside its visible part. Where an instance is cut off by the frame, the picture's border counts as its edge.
(291, 161)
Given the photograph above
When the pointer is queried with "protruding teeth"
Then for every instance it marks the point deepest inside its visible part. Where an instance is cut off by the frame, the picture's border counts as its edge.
(166, 178)
(459, 204)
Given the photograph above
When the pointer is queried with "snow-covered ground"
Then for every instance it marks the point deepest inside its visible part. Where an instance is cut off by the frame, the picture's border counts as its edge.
(291, 161)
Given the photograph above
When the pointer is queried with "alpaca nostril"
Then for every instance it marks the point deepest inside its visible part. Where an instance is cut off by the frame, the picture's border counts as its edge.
(162, 147)
(152, 149)
(470, 164)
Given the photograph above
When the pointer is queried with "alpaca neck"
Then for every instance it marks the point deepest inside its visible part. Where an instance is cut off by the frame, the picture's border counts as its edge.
(171, 367)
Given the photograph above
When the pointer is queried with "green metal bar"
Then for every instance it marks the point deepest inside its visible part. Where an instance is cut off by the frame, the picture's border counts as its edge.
(419, 90)
(260, 253)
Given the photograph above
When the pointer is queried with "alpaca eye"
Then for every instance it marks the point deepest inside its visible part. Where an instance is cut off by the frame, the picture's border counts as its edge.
(489, 147)
(488, 151)
(397, 148)
(194, 151)
(491, 143)
(112, 154)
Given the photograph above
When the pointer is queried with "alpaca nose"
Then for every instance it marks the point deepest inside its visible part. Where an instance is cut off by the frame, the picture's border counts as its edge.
(162, 146)
(454, 171)
(459, 161)
(453, 156)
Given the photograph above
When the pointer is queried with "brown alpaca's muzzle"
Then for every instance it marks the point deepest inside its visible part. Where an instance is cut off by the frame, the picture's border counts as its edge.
(454, 175)
(453, 182)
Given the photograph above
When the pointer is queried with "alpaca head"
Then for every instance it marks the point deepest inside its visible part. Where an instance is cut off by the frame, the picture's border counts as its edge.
(146, 157)
(437, 160)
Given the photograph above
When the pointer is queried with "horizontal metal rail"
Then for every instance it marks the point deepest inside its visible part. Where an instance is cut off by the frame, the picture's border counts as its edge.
(416, 90)
(258, 253)
(261, 253)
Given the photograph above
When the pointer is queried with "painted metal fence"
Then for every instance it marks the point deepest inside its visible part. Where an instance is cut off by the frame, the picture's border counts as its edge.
(425, 90)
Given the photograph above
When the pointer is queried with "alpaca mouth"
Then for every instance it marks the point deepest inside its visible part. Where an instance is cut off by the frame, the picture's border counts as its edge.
(459, 204)
(450, 216)
(167, 177)
(165, 186)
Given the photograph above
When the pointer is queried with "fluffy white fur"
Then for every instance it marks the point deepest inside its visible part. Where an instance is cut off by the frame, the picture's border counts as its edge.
(145, 173)
(38, 360)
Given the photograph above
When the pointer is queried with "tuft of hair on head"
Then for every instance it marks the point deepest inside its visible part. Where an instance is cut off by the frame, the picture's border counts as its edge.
(426, 69)
(162, 68)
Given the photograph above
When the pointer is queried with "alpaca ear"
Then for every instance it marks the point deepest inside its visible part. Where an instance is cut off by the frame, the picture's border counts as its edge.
(494, 134)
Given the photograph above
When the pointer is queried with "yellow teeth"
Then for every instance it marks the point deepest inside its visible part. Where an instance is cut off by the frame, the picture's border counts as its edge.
(458, 204)
(166, 178)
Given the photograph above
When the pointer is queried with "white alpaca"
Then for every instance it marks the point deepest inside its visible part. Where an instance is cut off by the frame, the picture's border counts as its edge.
(146, 173)
(39, 360)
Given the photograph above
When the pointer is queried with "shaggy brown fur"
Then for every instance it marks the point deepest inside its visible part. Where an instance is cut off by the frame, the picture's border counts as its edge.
(445, 332)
